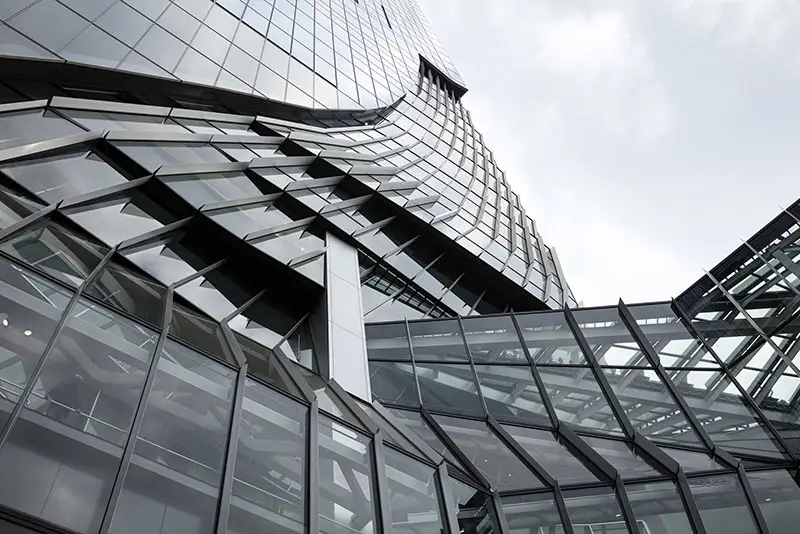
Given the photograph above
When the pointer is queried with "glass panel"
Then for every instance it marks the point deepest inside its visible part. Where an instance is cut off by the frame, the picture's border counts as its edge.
(174, 257)
(66, 447)
(118, 219)
(204, 189)
(511, 393)
(416, 424)
(437, 341)
(269, 480)
(532, 514)
(778, 496)
(552, 454)
(722, 504)
(595, 510)
(262, 364)
(152, 155)
(130, 292)
(411, 487)
(267, 320)
(549, 339)
(578, 399)
(501, 468)
(327, 400)
(649, 405)
(474, 510)
(64, 176)
(449, 387)
(299, 347)
(393, 383)
(693, 460)
(200, 332)
(288, 245)
(13, 208)
(24, 127)
(623, 456)
(57, 252)
(30, 309)
(345, 480)
(387, 342)
(100, 120)
(609, 338)
(675, 345)
(245, 220)
(658, 508)
(493, 339)
(173, 481)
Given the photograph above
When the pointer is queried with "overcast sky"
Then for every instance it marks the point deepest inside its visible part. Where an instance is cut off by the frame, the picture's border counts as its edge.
(647, 139)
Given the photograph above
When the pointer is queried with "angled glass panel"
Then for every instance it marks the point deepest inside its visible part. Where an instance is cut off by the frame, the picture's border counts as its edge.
(549, 339)
(649, 405)
(63, 176)
(474, 510)
(200, 332)
(393, 383)
(511, 393)
(595, 510)
(778, 496)
(411, 487)
(731, 423)
(24, 127)
(56, 251)
(693, 461)
(289, 245)
(13, 207)
(722, 504)
(492, 457)
(609, 338)
(388, 341)
(532, 514)
(262, 364)
(245, 220)
(173, 257)
(299, 346)
(327, 399)
(176, 469)
(102, 120)
(414, 422)
(493, 339)
(345, 480)
(123, 289)
(623, 456)
(392, 433)
(658, 507)
(578, 399)
(30, 309)
(67, 444)
(449, 388)
(553, 455)
(269, 320)
(675, 345)
(152, 155)
(437, 341)
(203, 189)
(269, 482)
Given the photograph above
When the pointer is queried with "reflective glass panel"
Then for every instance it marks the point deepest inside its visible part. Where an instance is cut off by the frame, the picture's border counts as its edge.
(411, 487)
(24, 127)
(511, 393)
(549, 339)
(722, 504)
(414, 422)
(117, 219)
(437, 341)
(609, 338)
(66, 447)
(623, 456)
(473, 508)
(345, 480)
(393, 383)
(493, 339)
(595, 510)
(269, 480)
(552, 454)
(532, 514)
(152, 155)
(203, 189)
(130, 292)
(387, 342)
(13, 207)
(200, 332)
(578, 399)
(492, 457)
(658, 508)
(173, 482)
(778, 495)
(692, 461)
(449, 387)
(261, 363)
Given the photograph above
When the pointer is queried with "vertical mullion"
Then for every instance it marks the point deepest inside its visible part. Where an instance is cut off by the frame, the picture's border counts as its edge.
(472, 366)
(537, 378)
(383, 513)
(752, 501)
(561, 504)
(413, 360)
(692, 512)
(625, 505)
(223, 508)
(312, 470)
(136, 425)
(499, 516)
(446, 500)
(34, 376)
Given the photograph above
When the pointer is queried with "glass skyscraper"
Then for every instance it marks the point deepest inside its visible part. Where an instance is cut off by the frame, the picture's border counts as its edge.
(260, 273)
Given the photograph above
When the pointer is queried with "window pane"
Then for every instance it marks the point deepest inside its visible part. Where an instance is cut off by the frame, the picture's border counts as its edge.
(261, 363)
(153, 155)
(493, 339)
(449, 387)
(66, 447)
(117, 219)
(622, 456)
(130, 292)
(24, 127)
(437, 340)
(204, 189)
(511, 393)
(595, 510)
(30, 309)
(609, 338)
(693, 460)
(413, 503)
(269, 480)
(533, 514)
(778, 497)
(549, 339)
(473, 509)
(722, 504)
(393, 383)
(578, 399)
(387, 342)
(658, 508)
(173, 481)
(345, 480)
(416, 424)
(553, 455)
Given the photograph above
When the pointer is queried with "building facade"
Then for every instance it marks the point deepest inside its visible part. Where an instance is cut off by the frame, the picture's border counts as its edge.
(260, 273)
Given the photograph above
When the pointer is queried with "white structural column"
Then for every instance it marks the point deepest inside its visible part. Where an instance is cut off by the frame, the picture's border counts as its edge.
(347, 348)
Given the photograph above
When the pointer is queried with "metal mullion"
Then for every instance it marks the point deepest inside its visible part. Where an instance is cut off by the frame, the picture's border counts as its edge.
(648, 350)
(24, 223)
(413, 360)
(99, 194)
(745, 395)
(561, 505)
(295, 376)
(448, 442)
(500, 518)
(752, 501)
(652, 451)
(383, 511)
(34, 376)
(602, 381)
(689, 504)
(136, 424)
(537, 378)
(338, 391)
(312, 470)
(243, 307)
(198, 274)
(223, 505)
(625, 506)
(588, 453)
(446, 501)
(152, 236)
(472, 364)
(517, 449)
